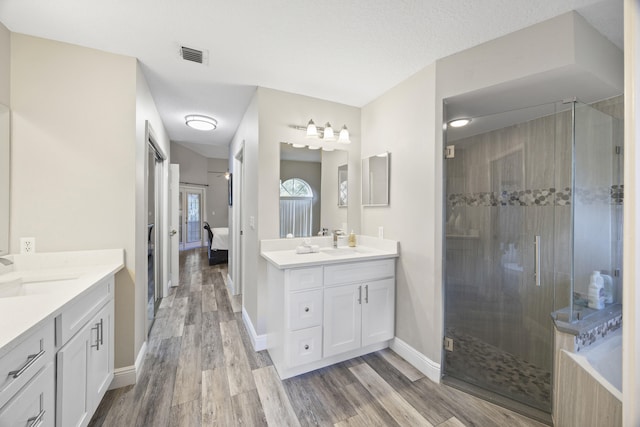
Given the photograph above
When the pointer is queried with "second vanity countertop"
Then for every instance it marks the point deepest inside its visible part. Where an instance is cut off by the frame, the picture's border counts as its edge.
(51, 281)
(281, 253)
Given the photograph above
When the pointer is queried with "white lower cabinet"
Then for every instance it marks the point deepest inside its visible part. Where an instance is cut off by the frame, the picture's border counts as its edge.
(358, 315)
(85, 369)
(331, 313)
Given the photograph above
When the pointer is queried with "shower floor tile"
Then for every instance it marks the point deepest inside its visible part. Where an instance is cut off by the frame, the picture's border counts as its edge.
(479, 363)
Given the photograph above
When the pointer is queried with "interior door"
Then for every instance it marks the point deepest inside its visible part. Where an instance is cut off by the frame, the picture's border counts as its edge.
(174, 223)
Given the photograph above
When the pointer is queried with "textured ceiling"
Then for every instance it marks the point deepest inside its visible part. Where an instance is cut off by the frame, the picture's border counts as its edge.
(344, 51)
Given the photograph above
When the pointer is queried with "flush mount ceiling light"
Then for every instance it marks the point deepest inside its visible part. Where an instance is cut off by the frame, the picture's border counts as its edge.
(199, 122)
(458, 123)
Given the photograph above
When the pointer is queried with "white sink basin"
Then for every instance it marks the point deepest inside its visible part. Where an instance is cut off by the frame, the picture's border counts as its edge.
(344, 251)
(33, 283)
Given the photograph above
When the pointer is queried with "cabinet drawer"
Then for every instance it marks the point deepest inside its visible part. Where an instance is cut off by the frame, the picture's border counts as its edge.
(34, 404)
(76, 316)
(20, 365)
(359, 271)
(305, 309)
(305, 278)
(305, 346)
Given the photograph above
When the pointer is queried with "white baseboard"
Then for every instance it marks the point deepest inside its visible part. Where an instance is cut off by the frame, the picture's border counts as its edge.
(259, 341)
(421, 362)
(129, 375)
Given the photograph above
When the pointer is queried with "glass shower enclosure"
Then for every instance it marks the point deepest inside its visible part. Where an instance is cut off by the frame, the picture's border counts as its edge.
(532, 206)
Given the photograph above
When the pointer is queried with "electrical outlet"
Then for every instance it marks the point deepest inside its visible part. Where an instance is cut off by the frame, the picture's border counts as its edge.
(27, 245)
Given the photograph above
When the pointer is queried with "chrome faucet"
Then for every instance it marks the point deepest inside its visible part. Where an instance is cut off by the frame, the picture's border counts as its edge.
(336, 233)
(5, 261)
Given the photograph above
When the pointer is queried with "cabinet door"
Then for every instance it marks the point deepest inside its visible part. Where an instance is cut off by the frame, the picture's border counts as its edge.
(378, 305)
(342, 319)
(100, 362)
(72, 408)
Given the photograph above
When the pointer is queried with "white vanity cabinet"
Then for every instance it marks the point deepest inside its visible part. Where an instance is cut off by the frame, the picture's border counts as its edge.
(320, 315)
(85, 360)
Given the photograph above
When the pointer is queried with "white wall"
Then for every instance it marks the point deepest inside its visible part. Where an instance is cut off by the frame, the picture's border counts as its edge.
(146, 112)
(265, 126)
(77, 170)
(407, 133)
(412, 132)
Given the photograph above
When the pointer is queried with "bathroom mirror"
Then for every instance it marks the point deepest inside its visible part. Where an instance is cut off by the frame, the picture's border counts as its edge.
(309, 190)
(375, 180)
(4, 179)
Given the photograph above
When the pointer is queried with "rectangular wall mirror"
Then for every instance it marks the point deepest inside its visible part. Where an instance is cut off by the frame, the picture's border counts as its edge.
(310, 197)
(375, 180)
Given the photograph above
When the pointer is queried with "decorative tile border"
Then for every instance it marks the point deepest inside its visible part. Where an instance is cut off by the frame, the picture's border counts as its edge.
(538, 197)
(585, 339)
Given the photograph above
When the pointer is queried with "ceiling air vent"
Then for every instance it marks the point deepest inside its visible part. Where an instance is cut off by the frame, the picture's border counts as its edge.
(194, 55)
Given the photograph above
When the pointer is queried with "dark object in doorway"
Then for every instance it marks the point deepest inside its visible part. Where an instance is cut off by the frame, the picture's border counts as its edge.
(219, 256)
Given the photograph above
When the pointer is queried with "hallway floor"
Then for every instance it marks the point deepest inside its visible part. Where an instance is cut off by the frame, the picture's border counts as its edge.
(200, 369)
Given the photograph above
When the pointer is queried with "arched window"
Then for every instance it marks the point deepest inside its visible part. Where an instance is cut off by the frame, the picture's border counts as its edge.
(296, 203)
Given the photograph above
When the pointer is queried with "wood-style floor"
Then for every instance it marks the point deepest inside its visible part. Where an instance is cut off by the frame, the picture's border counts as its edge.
(200, 369)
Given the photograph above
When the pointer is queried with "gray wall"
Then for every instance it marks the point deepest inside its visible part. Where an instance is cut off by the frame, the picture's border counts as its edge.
(217, 210)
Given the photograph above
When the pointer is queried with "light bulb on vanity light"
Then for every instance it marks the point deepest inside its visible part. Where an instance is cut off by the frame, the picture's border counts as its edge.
(328, 133)
(312, 130)
(344, 135)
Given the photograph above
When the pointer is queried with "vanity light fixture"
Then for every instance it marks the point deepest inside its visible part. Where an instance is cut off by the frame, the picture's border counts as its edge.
(325, 133)
(458, 123)
(200, 122)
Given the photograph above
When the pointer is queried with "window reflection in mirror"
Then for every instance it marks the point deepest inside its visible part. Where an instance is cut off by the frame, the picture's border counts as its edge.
(317, 173)
(375, 180)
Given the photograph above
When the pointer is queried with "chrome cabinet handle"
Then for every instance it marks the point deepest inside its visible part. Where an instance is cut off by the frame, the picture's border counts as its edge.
(359, 294)
(101, 332)
(366, 294)
(173, 233)
(37, 420)
(306, 347)
(98, 329)
(31, 359)
(536, 259)
(306, 309)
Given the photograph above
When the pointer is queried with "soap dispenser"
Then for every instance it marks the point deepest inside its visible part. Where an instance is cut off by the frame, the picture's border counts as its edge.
(352, 239)
(596, 291)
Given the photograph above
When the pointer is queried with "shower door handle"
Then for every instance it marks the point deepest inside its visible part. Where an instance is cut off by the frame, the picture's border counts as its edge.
(536, 259)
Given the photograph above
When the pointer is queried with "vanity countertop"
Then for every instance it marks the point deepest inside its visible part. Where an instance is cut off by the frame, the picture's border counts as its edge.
(51, 282)
(281, 253)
